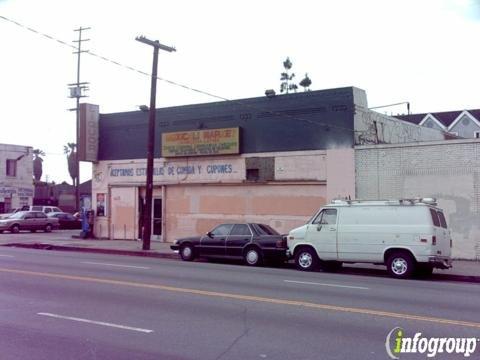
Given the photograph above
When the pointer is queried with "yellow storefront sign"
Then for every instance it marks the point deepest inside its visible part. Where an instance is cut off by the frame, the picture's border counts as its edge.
(201, 142)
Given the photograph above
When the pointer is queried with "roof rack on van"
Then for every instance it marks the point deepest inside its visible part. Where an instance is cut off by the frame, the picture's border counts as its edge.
(428, 201)
(410, 201)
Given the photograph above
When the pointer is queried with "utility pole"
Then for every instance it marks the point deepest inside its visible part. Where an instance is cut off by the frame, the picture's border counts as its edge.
(147, 214)
(77, 91)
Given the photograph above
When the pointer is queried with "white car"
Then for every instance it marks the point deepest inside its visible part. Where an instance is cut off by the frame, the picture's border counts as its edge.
(408, 235)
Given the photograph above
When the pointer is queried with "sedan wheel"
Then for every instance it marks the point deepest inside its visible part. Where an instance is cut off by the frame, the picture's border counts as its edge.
(48, 228)
(187, 252)
(15, 229)
(252, 257)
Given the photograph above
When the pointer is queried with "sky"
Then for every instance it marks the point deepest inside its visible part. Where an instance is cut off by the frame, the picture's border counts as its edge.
(424, 52)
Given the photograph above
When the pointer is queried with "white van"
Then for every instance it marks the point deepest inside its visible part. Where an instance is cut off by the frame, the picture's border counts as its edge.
(407, 235)
(43, 208)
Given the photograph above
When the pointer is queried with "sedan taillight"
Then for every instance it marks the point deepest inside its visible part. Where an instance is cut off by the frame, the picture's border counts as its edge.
(281, 243)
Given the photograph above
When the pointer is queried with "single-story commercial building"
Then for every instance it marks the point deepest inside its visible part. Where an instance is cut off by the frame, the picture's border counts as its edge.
(273, 159)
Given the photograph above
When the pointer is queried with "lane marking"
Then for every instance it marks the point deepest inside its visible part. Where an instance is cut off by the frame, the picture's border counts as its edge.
(96, 322)
(9, 256)
(324, 284)
(296, 303)
(117, 265)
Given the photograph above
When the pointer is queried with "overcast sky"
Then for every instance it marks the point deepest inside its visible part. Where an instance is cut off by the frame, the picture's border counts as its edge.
(423, 51)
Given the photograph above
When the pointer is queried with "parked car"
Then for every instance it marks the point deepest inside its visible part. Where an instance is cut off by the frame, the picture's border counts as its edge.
(252, 242)
(407, 235)
(66, 220)
(42, 208)
(28, 220)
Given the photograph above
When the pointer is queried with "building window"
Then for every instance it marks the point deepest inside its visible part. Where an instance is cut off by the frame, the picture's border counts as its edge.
(11, 167)
(476, 134)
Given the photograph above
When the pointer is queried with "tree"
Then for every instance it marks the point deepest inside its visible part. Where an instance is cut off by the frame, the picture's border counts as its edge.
(38, 164)
(305, 83)
(71, 151)
(285, 78)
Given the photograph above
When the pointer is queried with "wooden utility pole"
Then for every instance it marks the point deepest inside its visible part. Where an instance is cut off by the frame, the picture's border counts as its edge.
(77, 91)
(147, 214)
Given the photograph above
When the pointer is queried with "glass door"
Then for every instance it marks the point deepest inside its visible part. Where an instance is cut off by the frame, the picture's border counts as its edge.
(157, 219)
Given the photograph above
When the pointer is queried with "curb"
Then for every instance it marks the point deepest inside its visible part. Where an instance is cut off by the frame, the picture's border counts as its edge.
(46, 246)
(173, 256)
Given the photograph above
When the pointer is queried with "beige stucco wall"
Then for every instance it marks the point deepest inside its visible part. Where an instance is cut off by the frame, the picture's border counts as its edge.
(197, 209)
(199, 193)
(446, 170)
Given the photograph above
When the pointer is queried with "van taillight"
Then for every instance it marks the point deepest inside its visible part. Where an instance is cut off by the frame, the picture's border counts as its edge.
(434, 240)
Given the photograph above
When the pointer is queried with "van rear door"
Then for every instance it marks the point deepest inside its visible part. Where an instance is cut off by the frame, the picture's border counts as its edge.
(442, 243)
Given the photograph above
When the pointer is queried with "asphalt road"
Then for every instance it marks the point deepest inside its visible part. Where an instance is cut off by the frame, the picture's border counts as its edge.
(57, 305)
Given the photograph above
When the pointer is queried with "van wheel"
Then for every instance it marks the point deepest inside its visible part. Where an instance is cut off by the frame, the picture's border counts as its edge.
(401, 265)
(306, 259)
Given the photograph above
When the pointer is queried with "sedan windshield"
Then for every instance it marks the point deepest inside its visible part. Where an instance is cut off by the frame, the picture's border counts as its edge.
(18, 215)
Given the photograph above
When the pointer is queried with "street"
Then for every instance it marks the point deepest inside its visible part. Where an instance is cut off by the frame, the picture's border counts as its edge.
(69, 305)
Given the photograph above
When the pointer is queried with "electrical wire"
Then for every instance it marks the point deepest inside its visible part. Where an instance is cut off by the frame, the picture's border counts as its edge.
(274, 113)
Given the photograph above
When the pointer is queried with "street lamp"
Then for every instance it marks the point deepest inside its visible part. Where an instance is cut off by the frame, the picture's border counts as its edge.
(147, 214)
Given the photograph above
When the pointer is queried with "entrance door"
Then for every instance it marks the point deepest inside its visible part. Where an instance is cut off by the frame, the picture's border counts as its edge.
(156, 219)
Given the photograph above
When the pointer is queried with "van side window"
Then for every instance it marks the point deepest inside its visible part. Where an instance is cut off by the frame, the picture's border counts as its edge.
(441, 217)
(327, 216)
(436, 221)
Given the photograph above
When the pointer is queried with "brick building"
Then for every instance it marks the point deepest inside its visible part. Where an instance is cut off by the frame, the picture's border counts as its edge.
(446, 170)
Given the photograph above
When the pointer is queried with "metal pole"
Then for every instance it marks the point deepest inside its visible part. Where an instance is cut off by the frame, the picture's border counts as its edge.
(147, 215)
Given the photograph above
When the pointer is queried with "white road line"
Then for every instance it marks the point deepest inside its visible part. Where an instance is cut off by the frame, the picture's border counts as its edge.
(117, 265)
(96, 322)
(331, 285)
(10, 256)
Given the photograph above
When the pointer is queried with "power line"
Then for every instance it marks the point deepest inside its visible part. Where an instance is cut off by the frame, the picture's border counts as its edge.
(275, 113)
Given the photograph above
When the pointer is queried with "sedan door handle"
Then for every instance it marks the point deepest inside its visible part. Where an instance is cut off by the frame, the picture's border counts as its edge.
(332, 229)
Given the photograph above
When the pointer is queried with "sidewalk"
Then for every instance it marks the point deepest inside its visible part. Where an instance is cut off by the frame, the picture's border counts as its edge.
(65, 240)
